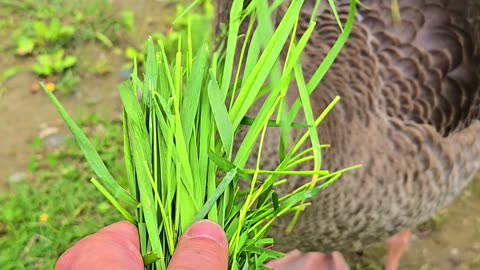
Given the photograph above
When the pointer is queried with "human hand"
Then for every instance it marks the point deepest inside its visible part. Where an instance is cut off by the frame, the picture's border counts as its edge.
(203, 246)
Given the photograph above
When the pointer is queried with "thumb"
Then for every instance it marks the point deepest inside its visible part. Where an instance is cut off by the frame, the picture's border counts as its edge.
(203, 246)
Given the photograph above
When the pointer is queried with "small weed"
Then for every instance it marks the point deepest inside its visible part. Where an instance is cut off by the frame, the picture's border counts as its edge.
(37, 143)
(53, 64)
(101, 67)
(38, 34)
(134, 54)
(128, 20)
(67, 82)
(33, 164)
(52, 159)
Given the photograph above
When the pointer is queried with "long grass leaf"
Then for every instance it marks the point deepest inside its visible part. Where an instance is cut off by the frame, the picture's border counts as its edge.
(233, 27)
(218, 192)
(192, 93)
(113, 201)
(141, 153)
(220, 113)
(92, 156)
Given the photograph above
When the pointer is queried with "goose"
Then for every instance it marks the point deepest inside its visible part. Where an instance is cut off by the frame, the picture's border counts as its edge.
(409, 113)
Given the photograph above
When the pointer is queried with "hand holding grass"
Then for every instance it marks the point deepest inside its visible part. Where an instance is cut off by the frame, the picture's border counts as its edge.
(203, 246)
(181, 135)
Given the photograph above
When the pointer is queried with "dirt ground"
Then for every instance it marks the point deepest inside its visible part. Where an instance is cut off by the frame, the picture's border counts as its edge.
(451, 241)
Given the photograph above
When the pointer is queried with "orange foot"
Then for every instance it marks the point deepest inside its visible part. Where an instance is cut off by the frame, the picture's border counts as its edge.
(396, 246)
(296, 260)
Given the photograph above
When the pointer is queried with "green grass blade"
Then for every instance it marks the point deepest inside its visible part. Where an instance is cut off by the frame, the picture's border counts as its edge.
(329, 58)
(114, 202)
(248, 121)
(220, 113)
(185, 11)
(267, 60)
(226, 165)
(141, 153)
(335, 13)
(233, 27)
(218, 192)
(192, 93)
(92, 156)
(304, 97)
(151, 75)
(128, 158)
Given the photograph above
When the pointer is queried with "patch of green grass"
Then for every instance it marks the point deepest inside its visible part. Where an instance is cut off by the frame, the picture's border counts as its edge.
(27, 242)
(48, 28)
(52, 33)
(34, 36)
(60, 23)
(44, 216)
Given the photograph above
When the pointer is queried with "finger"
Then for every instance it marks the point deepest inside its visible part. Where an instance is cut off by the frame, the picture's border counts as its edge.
(203, 246)
(114, 247)
(339, 261)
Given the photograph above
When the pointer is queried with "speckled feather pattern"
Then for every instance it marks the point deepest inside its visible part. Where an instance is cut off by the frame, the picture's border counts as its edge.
(409, 113)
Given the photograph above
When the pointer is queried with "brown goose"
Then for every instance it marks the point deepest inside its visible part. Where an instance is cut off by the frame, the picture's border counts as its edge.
(410, 113)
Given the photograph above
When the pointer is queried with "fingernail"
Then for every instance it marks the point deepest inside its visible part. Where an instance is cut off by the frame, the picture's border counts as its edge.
(207, 229)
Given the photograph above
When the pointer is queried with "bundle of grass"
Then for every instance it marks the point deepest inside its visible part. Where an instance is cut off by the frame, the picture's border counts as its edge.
(180, 137)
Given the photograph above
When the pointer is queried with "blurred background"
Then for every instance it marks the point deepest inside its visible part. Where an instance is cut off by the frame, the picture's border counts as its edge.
(82, 50)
